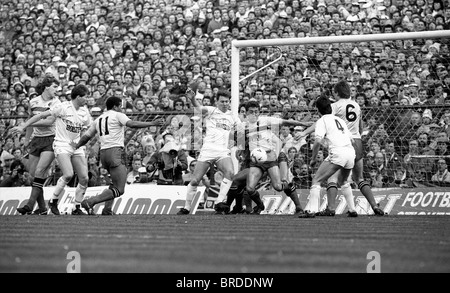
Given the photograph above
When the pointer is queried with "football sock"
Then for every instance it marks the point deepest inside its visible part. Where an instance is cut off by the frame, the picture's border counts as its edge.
(37, 193)
(224, 187)
(365, 189)
(79, 195)
(191, 190)
(314, 198)
(231, 196)
(332, 191)
(348, 194)
(60, 185)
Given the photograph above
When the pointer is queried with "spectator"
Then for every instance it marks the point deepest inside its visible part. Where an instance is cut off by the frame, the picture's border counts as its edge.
(442, 176)
(401, 179)
(170, 161)
(302, 176)
(133, 175)
(17, 177)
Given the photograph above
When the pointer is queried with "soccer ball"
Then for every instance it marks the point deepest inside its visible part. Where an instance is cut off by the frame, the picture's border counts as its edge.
(258, 155)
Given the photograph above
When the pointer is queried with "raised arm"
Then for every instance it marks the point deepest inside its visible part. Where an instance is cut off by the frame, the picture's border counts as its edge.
(190, 94)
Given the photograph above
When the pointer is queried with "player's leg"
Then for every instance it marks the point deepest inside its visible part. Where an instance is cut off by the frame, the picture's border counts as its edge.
(364, 187)
(80, 166)
(250, 193)
(28, 207)
(40, 175)
(332, 190)
(226, 166)
(116, 189)
(343, 180)
(65, 165)
(113, 160)
(288, 187)
(326, 169)
(200, 170)
(236, 190)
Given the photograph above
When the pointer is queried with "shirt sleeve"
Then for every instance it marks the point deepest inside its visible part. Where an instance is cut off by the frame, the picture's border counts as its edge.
(123, 119)
(320, 130)
(56, 111)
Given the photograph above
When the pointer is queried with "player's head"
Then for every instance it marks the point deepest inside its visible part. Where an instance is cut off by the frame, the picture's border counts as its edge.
(342, 89)
(323, 104)
(49, 84)
(114, 103)
(253, 109)
(223, 99)
(80, 92)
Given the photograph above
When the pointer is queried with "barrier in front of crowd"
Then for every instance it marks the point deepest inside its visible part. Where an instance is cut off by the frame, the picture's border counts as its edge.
(150, 199)
(138, 199)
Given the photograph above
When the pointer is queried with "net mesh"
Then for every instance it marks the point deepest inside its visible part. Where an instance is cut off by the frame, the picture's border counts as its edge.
(402, 86)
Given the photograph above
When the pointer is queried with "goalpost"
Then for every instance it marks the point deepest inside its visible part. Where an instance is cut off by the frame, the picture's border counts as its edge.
(237, 44)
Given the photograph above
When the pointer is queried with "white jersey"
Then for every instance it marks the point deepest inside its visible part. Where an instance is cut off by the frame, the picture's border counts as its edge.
(70, 122)
(266, 138)
(218, 128)
(350, 112)
(110, 127)
(39, 105)
(334, 132)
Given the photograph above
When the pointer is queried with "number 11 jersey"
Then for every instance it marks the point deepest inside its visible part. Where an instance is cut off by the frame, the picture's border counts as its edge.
(110, 128)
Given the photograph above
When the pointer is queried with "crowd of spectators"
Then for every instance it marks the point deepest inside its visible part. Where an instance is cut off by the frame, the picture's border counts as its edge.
(148, 52)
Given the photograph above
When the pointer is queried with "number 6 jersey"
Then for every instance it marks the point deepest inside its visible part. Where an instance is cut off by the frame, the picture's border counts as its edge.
(350, 112)
(110, 127)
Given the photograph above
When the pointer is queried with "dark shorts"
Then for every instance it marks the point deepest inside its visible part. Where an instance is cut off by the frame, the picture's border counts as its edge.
(264, 166)
(357, 145)
(41, 144)
(112, 157)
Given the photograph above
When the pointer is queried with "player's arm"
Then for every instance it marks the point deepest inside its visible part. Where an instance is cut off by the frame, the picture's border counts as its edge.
(87, 136)
(315, 150)
(306, 132)
(294, 123)
(20, 129)
(140, 124)
(190, 94)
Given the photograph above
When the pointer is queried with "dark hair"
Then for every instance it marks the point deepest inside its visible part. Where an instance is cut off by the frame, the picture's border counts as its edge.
(342, 89)
(323, 104)
(252, 104)
(46, 82)
(111, 102)
(223, 93)
(78, 91)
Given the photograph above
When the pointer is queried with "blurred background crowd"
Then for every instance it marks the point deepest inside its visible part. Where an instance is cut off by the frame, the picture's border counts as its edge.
(148, 52)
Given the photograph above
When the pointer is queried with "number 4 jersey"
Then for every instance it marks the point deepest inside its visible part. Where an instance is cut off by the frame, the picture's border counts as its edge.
(350, 112)
(334, 131)
(110, 127)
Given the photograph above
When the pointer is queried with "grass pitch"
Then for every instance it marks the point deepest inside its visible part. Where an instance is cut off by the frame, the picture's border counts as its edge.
(224, 244)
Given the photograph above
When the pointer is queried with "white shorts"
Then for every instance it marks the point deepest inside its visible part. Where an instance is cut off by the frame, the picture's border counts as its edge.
(65, 148)
(344, 157)
(212, 156)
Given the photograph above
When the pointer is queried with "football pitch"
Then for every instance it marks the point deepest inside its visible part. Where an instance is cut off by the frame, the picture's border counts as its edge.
(208, 243)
